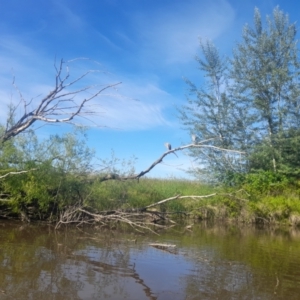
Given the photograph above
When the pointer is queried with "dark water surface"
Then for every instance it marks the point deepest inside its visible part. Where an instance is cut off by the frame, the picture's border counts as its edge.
(210, 262)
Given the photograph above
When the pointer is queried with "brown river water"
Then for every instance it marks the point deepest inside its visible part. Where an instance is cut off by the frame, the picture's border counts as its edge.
(209, 262)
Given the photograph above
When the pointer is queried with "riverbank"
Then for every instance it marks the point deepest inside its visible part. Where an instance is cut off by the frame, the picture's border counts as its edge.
(274, 204)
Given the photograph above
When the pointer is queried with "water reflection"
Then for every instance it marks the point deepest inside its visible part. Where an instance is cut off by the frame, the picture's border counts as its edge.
(211, 262)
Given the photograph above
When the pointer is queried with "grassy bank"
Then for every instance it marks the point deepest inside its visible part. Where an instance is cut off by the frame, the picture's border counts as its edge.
(269, 203)
(138, 194)
(258, 199)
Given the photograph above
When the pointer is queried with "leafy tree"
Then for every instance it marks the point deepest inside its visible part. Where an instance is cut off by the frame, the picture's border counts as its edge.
(265, 73)
(46, 175)
(289, 160)
(250, 102)
(213, 116)
(60, 168)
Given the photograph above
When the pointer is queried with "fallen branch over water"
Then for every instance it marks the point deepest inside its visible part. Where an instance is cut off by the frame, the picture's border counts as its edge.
(79, 215)
(139, 218)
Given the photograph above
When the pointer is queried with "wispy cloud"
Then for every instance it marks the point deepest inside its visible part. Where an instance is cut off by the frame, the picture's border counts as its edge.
(20, 64)
(135, 105)
(171, 36)
(12, 46)
(105, 39)
(164, 38)
(68, 16)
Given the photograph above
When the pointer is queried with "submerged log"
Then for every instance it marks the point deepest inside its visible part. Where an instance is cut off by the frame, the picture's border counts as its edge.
(162, 245)
(165, 247)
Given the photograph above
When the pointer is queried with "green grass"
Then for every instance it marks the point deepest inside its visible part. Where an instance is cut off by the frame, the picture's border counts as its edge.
(283, 208)
(266, 205)
(261, 197)
(134, 194)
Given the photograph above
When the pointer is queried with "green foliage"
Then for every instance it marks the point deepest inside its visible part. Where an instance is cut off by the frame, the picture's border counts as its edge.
(265, 68)
(286, 152)
(52, 172)
(115, 165)
(263, 182)
(212, 115)
(133, 194)
(290, 153)
(281, 208)
(248, 103)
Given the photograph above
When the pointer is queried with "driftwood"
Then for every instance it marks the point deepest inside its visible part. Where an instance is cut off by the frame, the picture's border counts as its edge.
(162, 246)
(165, 247)
(77, 214)
(139, 219)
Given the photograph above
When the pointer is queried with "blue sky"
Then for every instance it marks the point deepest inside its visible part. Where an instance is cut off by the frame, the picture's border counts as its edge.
(147, 45)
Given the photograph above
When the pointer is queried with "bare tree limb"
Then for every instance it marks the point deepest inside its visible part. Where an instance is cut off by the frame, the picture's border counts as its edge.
(115, 176)
(77, 214)
(59, 106)
(15, 173)
(139, 219)
(178, 197)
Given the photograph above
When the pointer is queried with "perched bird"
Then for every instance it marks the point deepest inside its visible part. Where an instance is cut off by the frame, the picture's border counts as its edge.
(169, 147)
(195, 139)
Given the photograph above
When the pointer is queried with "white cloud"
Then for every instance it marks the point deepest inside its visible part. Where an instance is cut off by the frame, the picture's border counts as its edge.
(134, 105)
(131, 115)
(68, 16)
(12, 46)
(105, 39)
(171, 36)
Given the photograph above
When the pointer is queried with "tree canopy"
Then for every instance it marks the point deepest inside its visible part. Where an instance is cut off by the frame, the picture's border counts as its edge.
(249, 101)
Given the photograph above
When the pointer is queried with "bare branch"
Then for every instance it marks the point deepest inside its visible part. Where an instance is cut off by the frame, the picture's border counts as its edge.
(58, 106)
(139, 218)
(160, 159)
(179, 197)
(77, 214)
(16, 173)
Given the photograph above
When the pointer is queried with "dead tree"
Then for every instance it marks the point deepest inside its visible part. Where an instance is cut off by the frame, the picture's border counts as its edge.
(59, 106)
